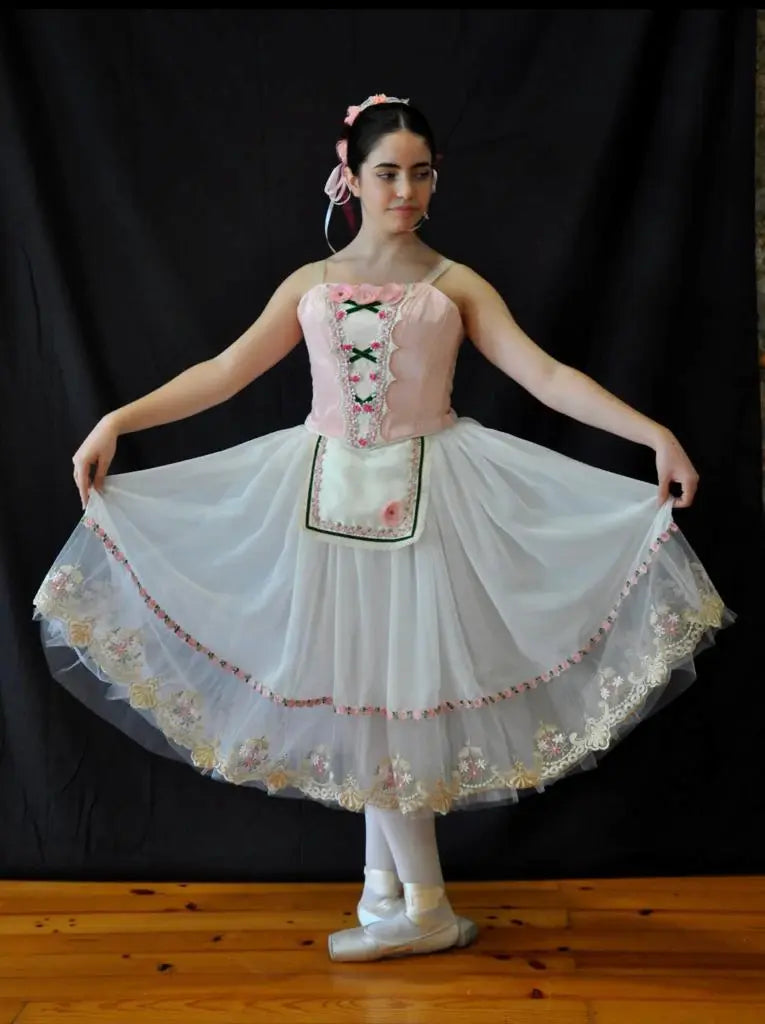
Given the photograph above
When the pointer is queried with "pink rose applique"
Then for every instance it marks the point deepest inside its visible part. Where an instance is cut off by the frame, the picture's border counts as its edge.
(366, 293)
(392, 513)
(340, 292)
(391, 292)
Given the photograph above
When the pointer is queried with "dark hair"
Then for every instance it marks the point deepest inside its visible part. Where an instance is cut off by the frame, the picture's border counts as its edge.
(378, 120)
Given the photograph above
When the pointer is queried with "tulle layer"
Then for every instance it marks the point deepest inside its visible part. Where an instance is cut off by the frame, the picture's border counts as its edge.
(547, 608)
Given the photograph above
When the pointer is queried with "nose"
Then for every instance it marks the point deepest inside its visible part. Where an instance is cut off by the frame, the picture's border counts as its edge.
(404, 188)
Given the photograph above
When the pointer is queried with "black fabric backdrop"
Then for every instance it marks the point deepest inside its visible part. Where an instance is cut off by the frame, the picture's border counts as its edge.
(163, 171)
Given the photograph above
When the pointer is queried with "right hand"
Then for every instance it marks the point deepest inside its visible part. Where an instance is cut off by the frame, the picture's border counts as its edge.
(97, 450)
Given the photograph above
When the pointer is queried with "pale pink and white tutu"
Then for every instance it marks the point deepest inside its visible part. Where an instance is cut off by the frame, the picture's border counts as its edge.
(387, 604)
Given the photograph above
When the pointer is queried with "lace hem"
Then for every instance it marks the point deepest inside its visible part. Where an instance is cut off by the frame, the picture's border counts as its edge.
(180, 713)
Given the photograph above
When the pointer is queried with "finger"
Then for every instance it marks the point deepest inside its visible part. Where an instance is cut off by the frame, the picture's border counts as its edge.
(81, 473)
(664, 489)
(100, 473)
(690, 486)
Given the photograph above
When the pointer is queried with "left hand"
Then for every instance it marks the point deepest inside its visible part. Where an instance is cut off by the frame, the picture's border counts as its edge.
(674, 466)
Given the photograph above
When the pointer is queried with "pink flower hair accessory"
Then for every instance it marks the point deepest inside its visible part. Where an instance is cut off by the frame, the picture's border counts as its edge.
(380, 97)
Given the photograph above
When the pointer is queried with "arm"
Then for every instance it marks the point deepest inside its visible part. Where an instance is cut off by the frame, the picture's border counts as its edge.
(200, 387)
(264, 343)
(496, 334)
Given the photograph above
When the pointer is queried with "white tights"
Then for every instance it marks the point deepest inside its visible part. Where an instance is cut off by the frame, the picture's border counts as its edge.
(404, 844)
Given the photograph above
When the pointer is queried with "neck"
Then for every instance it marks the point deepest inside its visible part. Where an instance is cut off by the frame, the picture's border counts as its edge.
(378, 247)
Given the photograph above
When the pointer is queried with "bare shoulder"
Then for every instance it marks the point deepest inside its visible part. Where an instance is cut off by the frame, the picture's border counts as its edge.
(292, 288)
(307, 276)
(465, 280)
(467, 288)
(311, 273)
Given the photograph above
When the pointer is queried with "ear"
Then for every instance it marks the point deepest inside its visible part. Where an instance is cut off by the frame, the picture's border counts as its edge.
(435, 179)
(351, 180)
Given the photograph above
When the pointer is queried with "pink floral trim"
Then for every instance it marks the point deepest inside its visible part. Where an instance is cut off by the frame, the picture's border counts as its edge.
(363, 420)
(416, 714)
(365, 294)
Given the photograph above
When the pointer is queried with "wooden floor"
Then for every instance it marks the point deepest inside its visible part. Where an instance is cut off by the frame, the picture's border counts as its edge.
(632, 951)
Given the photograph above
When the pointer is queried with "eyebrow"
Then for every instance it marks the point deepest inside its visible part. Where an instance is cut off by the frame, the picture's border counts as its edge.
(422, 163)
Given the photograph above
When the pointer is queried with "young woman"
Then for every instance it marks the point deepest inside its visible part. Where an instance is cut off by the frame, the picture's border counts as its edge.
(388, 608)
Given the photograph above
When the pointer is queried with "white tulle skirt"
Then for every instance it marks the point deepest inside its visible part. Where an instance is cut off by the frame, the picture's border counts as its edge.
(547, 608)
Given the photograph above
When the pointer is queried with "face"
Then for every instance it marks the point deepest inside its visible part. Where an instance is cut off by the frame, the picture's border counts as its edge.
(395, 182)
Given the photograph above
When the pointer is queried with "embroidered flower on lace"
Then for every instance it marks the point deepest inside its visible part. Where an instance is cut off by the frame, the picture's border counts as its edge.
(472, 764)
(253, 754)
(320, 762)
(667, 624)
(610, 686)
(550, 741)
(122, 647)
(396, 775)
(65, 580)
(181, 713)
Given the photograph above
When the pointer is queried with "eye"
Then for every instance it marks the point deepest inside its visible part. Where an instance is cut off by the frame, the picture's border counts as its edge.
(386, 175)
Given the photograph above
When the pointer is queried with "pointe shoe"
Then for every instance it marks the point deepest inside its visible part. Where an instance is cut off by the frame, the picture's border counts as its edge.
(426, 925)
(378, 942)
(386, 907)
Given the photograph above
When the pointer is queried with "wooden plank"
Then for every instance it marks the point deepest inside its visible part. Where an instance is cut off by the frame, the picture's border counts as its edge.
(307, 1011)
(137, 964)
(245, 920)
(56, 897)
(104, 965)
(10, 1010)
(671, 899)
(668, 962)
(520, 940)
(723, 884)
(604, 1012)
(538, 940)
(666, 920)
(358, 981)
(156, 901)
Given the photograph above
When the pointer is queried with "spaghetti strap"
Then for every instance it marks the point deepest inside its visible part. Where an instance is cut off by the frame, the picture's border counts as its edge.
(440, 268)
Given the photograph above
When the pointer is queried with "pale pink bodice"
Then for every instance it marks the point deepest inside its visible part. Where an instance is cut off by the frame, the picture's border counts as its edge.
(382, 360)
